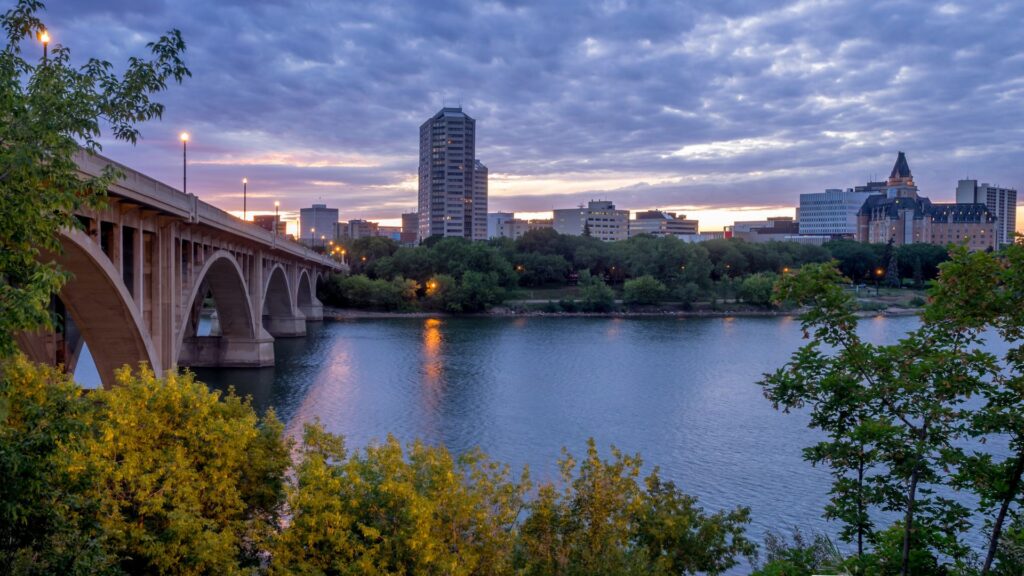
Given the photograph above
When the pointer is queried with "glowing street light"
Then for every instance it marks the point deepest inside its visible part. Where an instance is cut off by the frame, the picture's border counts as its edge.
(184, 161)
(44, 37)
(245, 184)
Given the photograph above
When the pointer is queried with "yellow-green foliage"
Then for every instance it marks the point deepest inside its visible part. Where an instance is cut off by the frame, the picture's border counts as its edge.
(385, 511)
(163, 476)
(175, 466)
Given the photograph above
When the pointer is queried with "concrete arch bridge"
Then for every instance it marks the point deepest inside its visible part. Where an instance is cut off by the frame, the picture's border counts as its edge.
(154, 262)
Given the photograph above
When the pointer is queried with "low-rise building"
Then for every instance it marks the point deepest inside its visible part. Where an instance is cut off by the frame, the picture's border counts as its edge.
(774, 229)
(495, 223)
(599, 219)
(658, 223)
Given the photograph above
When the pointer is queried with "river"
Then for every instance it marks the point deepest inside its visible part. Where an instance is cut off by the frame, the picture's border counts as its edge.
(680, 391)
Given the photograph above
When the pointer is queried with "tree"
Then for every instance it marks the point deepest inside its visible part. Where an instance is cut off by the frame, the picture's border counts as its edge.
(47, 515)
(643, 290)
(385, 510)
(975, 292)
(757, 288)
(604, 521)
(595, 295)
(50, 111)
(187, 481)
(892, 413)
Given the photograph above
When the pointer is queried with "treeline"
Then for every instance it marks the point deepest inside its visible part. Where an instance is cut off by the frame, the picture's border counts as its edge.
(163, 476)
(456, 275)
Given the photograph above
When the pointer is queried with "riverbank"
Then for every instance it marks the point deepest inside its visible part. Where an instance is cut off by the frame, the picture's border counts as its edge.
(503, 311)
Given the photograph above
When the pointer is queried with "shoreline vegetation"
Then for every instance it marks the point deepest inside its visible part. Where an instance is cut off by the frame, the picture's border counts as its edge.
(342, 314)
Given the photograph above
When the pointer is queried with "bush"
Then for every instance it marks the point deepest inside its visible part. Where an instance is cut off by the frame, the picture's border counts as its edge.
(362, 292)
(757, 289)
(152, 476)
(799, 556)
(595, 295)
(643, 290)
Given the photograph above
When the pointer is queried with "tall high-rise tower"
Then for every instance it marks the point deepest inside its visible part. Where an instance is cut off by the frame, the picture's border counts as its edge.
(449, 203)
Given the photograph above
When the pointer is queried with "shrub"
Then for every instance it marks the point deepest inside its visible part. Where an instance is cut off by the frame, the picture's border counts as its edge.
(757, 288)
(595, 295)
(643, 290)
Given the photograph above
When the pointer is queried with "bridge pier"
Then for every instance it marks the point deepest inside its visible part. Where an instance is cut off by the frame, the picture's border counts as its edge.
(313, 311)
(227, 351)
(285, 326)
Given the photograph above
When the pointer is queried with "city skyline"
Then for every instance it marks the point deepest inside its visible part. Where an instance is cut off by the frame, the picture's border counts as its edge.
(720, 113)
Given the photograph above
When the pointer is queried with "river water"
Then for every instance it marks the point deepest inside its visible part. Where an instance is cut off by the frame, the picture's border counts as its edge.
(680, 391)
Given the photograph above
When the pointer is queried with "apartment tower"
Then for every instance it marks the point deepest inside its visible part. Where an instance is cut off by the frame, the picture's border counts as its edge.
(451, 199)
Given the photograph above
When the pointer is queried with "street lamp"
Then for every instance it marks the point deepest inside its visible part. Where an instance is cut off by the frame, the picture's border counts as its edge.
(245, 184)
(184, 161)
(312, 237)
(44, 37)
(277, 220)
(322, 240)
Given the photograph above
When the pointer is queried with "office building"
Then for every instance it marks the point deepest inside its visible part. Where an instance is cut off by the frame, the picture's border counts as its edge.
(496, 222)
(356, 229)
(658, 223)
(268, 221)
(1001, 202)
(410, 229)
(832, 212)
(773, 229)
(476, 211)
(452, 201)
(599, 219)
(316, 221)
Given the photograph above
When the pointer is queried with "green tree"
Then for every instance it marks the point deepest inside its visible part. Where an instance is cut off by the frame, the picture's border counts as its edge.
(595, 295)
(643, 290)
(49, 112)
(904, 403)
(757, 288)
(977, 292)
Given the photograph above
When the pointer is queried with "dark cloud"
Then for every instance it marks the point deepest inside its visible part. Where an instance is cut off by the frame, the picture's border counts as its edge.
(734, 103)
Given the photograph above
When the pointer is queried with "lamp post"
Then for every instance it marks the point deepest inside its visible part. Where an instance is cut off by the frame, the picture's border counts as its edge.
(277, 220)
(44, 37)
(245, 183)
(312, 237)
(322, 240)
(184, 162)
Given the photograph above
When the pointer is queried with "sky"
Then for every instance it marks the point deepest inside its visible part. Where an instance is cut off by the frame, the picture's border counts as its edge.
(722, 111)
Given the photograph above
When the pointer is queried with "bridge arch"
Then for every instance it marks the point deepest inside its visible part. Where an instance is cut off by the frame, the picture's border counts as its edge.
(102, 310)
(306, 297)
(240, 340)
(280, 314)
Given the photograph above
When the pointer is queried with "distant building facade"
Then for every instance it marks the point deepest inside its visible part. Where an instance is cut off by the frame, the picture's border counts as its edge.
(356, 229)
(496, 222)
(904, 217)
(775, 228)
(832, 212)
(410, 228)
(271, 221)
(1001, 202)
(658, 223)
(599, 219)
(316, 221)
(450, 202)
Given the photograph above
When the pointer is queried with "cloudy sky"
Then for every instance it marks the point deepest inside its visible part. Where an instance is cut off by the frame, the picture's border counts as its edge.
(723, 110)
